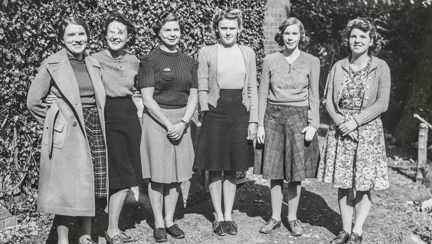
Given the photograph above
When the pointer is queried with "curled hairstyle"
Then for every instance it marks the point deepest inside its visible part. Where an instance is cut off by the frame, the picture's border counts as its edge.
(231, 14)
(168, 17)
(130, 27)
(65, 22)
(364, 25)
(287, 22)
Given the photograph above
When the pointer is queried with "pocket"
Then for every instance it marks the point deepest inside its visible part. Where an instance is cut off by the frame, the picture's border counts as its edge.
(60, 130)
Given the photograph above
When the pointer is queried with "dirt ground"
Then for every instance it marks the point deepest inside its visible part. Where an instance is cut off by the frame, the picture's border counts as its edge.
(390, 221)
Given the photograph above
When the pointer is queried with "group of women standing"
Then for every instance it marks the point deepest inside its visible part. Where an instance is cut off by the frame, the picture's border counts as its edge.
(93, 146)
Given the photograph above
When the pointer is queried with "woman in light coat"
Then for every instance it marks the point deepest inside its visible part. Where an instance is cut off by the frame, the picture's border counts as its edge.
(73, 167)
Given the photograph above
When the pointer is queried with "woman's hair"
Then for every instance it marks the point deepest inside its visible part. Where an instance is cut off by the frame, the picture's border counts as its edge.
(287, 22)
(231, 14)
(364, 25)
(65, 22)
(130, 27)
(168, 17)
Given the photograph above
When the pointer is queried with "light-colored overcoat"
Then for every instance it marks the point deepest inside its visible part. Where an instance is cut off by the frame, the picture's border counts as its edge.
(66, 180)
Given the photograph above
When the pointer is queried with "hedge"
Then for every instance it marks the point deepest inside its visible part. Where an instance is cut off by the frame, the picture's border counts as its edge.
(28, 35)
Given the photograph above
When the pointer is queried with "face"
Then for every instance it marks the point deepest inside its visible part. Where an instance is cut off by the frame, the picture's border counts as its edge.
(228, 31)
(170, 33)
(291, 36)
(359, 41)
(117, 36)
(75, 38)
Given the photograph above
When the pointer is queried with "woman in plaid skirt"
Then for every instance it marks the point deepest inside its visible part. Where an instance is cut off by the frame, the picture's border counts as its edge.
(288, 120)
(73, 167)
(354, 158)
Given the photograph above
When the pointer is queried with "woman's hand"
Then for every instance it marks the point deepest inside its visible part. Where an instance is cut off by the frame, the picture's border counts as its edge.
(353, 136)
(176, 131)
(347, 127)
(50, 99)
(260, 134)
(309, 132)
(252, 131)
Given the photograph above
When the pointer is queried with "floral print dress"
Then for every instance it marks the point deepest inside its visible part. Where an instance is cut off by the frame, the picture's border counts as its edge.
(359, 163)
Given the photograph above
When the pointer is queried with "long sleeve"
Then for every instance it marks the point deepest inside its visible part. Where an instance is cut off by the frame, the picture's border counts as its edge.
(330, 106)
(252, 89)
(383, 97)
(203, 80)
(263, 91)
(313, 97)
(38, 90)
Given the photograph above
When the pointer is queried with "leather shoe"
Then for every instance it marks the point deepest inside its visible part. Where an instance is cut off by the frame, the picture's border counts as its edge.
(341, 238)
(175, 231)
(230, 227)
(217, 228)
(270, 225)
(295, 227)
(160, 235)
(355, 238)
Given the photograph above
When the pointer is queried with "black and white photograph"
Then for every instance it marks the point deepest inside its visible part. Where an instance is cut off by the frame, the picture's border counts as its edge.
(215, 121)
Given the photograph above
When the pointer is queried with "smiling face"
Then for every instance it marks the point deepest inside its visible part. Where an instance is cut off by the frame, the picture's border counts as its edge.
(291, 37)
(117, 36)
(359, 41)
(169, 34)
(75, 38)
(228, 31)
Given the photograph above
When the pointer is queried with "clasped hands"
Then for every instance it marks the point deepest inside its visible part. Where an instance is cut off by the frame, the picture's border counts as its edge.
(176, 131)
(347, 128)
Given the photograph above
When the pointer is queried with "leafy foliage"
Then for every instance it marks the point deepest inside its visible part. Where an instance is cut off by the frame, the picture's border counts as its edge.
(28, 35)
(402, 25)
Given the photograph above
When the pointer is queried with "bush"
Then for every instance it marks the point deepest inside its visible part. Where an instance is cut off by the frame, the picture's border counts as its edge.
(28, 35)
(403, 27)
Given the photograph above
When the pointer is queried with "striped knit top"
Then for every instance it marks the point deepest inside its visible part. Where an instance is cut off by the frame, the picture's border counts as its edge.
(171, 74)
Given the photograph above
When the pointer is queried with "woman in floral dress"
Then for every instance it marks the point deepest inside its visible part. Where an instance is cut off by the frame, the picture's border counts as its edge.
(354, 157)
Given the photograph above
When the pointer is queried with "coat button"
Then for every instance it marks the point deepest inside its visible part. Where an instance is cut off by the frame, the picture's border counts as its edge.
(74, 123)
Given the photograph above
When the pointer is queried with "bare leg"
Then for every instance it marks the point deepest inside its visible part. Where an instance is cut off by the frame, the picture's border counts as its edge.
(276, 198)
(63, 234)
(155, 192)
(294, 191)
(215, 188)
(171, 195)
(346, 207)
(115, 206)
(229, 191)
(362, 207)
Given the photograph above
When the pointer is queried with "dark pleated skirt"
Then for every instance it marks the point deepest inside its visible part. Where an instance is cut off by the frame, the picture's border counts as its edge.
(222, 144)
(286, 155)
(123, 131)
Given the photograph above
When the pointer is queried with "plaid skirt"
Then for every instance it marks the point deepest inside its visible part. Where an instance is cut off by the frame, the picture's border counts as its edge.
(97, 149)
(286, 155)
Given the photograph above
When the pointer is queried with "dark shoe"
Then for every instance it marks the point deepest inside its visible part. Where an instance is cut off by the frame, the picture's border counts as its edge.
(113, 240)
(355, 238)
(270, 225)
(341, 238)
(175, 231)
(87, 241)
(295, 227)
(217, 228)
(160, 235)
(230, 227)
